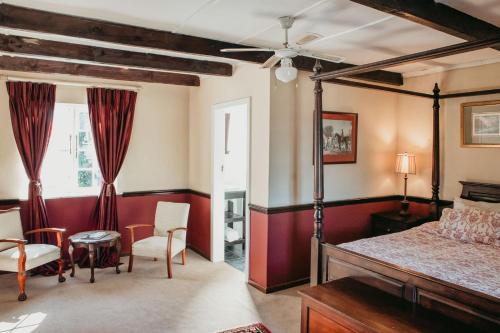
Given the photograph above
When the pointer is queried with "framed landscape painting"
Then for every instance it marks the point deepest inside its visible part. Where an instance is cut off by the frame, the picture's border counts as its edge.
(480, 124)
(340, 136)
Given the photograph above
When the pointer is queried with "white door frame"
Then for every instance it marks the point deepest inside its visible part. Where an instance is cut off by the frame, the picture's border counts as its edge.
(215, 252)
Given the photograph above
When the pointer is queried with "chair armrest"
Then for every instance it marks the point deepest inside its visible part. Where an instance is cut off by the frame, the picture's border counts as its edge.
(14, 240)
(171, 231)
(169, 240)
(132, 227)
(61, 230)
(21, 261)
(58, 231)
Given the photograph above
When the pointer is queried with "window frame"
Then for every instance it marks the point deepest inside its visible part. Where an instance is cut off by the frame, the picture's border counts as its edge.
(74, 151)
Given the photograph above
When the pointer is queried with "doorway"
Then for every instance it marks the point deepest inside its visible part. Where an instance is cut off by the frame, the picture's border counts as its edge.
(230, 182)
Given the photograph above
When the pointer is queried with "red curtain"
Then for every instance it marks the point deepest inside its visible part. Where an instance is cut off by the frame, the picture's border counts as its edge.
(31, 114)
(111, 117)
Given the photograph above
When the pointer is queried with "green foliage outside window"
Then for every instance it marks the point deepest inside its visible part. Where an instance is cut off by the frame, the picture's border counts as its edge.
(84, 178)
(84, 160)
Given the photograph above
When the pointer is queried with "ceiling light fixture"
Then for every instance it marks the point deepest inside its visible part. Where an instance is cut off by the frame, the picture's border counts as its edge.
(286, 72)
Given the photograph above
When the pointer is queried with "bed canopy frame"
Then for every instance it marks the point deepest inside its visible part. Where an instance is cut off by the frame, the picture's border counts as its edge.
(319, 265)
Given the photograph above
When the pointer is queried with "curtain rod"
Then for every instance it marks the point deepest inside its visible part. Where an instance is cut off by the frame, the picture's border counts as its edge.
(74, 83)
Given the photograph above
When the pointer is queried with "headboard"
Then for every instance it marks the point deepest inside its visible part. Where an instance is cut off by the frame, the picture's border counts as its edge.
(480, 191)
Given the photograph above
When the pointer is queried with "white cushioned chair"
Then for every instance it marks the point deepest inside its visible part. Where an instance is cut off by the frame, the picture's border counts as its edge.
(18, 256)
(169, 238)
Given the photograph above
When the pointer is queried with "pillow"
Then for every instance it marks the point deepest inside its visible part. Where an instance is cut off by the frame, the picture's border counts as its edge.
(459, 203)
(471, 225)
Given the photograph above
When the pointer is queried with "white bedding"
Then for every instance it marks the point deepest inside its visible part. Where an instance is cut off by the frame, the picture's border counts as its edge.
(471, 265)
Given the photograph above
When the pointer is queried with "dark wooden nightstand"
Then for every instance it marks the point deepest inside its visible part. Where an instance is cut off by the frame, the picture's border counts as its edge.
(389, 222)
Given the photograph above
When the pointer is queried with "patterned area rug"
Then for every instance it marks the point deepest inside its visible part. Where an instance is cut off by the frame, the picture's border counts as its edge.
(255, 328)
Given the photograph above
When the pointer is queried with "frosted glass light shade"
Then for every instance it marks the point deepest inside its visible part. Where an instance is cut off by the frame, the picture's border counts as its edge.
(286, 72)
(405, 163)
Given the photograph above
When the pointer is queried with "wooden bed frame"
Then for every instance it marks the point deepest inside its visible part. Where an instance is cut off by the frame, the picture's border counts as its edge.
(329, 262)
(453, 300)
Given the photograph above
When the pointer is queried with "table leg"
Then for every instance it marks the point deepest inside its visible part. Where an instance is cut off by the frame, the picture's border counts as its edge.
(70, 251)
(118, 252)
(91, 259)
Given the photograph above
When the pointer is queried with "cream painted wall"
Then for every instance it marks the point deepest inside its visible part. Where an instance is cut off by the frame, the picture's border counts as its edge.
(292, 135)
(284, 147)
(415, 126)
(158, 152)
(247, 81)
(171, 138)
(281, 137)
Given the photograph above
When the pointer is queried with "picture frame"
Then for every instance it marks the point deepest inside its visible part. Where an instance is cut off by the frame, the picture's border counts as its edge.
(480, 124)
(340, 137)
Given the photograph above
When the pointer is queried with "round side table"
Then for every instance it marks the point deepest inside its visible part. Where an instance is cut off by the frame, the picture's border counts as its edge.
(82, 240)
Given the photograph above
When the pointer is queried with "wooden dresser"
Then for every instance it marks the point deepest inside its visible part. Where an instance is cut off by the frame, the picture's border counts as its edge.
(347, 305)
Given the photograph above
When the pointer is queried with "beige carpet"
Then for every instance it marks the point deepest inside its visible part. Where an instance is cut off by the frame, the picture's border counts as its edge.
(202, 297)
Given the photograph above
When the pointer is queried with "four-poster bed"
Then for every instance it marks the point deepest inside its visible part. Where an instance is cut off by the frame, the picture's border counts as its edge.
(330, 262)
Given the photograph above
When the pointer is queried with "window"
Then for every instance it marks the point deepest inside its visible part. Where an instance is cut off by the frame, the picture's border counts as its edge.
(70, 167)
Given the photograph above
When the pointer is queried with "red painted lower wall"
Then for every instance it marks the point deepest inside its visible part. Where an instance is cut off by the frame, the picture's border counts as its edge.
(280, 243)
(199, 234)
(259, 224)
(75, 214)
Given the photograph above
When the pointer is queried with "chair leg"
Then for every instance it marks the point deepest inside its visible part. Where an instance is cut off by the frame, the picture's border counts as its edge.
(21, 280)
(184, 256)
(169, 266)
(60, 263)
(130, 262)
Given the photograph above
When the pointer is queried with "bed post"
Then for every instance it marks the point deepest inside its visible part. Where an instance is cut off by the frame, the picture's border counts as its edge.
(316, 257)
(435, 153)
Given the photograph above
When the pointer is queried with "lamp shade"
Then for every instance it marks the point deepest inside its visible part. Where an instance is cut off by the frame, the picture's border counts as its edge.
(405, 163)
(286, 72)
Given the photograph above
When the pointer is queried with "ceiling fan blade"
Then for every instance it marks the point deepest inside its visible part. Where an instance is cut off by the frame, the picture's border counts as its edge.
(250, 49)
(271, 62)
(321, 56)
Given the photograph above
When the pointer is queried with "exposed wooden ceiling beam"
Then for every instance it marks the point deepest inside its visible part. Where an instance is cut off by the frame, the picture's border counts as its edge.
(386, 77)
(437, 16)
(46, 22)
(411, 58)
(105, 72)
(48, 48)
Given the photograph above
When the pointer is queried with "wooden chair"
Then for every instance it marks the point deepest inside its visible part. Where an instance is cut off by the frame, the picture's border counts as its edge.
(169, 237)
(18, 256)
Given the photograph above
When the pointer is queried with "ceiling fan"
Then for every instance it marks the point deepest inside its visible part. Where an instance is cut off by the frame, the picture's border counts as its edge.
(286, 72)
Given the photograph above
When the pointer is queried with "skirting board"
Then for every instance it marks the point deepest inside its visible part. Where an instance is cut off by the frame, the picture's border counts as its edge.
(198, 251)
(278, 287)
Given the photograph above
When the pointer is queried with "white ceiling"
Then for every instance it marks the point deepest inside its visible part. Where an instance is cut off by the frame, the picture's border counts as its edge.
(356, 32)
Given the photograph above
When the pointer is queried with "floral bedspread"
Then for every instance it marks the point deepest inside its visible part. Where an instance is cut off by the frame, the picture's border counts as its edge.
(471, 265)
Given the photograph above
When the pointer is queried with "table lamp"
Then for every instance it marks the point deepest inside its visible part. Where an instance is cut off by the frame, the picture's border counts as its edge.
(405, 164)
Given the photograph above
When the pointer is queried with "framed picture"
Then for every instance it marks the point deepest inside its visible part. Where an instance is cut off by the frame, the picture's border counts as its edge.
(340, 137)
(480, 124)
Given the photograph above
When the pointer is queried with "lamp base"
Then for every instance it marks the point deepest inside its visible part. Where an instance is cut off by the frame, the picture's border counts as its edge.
(405, 205)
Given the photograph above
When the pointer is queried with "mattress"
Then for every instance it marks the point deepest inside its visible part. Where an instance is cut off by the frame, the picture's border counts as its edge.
(471, 265)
